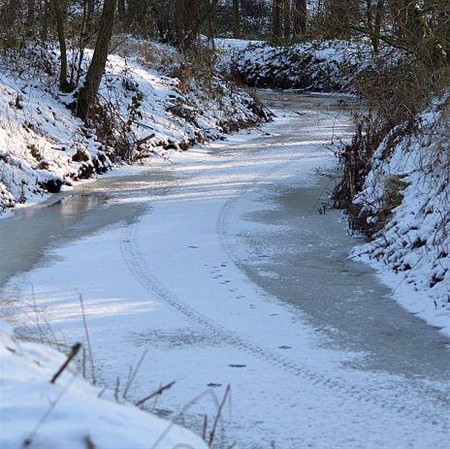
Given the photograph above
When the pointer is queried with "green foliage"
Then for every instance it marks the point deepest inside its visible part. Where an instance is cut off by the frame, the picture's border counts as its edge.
(134, 112)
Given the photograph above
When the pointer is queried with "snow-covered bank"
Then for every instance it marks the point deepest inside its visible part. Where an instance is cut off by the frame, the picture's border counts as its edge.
(409, 184)
(70, 413)
(330, 66)
(149, 103)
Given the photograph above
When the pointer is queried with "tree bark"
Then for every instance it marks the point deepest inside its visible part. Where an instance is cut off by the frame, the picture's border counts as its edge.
(88, 93)
(202, 18)
(121, 8)
(237, 19)
(340, 15)
(31, 17)
(9, 14)
(446, 24)
(287, 20)
(300, 17)
(376, 32)
(374, 18)
(44, 11)
(211, 26)
(60, 28)
(276, 20)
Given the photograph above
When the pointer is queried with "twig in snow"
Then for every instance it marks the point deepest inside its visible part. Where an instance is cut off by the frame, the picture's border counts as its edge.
(218, 416)
(158, 392)
(36, 312)
(29, 440)
(144, 139)
(83, 364)
(89, 443)
(117, 389)
(205, 426)
(133, 374)
(102, 391)
(88, 339)
(357, 255)
(208, 392)
(73, 352)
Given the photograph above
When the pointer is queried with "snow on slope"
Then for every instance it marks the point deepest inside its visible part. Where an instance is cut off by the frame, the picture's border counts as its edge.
(70, 414)
(44, 146)
(317, 65)
(412, 253)
(40, 140)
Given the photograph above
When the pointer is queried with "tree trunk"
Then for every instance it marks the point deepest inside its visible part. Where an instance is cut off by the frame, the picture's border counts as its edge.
(237, 19)
(287, 19)
(340, 15)
(202, 18)
(374, 18)
(9, 11)
(88, 93)
(60, 28)
(85, 34)
(31, 17)
(446, 21)
(121, 8)
(44, 10)
(276, 21)
(300, 17)
(376, 32)
(211, 25)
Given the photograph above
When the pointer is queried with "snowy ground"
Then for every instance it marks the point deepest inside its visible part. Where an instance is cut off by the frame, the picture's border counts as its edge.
(167, 277)
(69, 413)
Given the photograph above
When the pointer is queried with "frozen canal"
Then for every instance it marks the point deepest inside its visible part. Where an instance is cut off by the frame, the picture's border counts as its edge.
(216, 268)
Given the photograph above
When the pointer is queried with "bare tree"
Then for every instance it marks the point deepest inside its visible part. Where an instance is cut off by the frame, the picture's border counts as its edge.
(340, 15)
(237, 19)
(9, 11)
(64, 85)
(88, 92)
(300, 17)
(445, 28)
(276, 20)
(415, 33)
(203, 13)
(374, 19)
(287, 20)
(31, 17)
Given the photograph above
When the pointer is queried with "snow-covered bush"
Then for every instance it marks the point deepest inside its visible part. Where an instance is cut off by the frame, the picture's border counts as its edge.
(329, 66)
